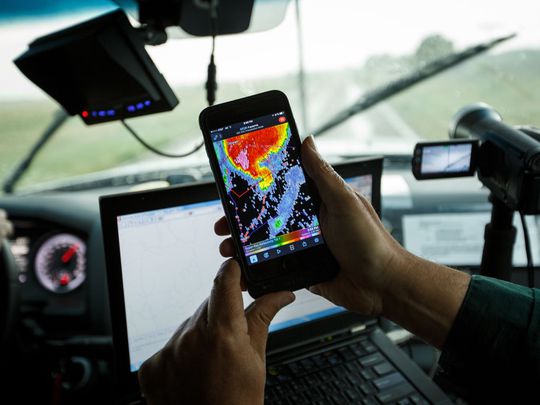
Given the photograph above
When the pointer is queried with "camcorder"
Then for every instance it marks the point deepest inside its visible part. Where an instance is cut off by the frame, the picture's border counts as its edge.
(506, 158)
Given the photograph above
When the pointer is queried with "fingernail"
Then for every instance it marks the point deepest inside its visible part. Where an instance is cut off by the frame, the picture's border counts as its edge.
(223, 266)
(222, 269)
(315, 290)
(288, 298)
(311, 142)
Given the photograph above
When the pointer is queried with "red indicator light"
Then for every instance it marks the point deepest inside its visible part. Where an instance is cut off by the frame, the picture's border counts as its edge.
(84, 114)
(64, 280)
(282, 119)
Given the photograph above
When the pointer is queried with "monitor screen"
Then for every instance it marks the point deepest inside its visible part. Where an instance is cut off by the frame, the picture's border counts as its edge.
(457, 238)
(169, 258)
(452, 158)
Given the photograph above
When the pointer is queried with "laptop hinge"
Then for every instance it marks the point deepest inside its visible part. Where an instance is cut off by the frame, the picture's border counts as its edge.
(309, 345)
(358, 328)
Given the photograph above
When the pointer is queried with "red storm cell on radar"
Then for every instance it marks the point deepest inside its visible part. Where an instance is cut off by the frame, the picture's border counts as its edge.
(246, 152)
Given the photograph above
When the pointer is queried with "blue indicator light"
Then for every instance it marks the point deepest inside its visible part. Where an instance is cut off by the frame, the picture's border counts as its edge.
(94, 114)
(140, 106)
(147, 103)
(101, 113)
(131, 108)
(110, 113)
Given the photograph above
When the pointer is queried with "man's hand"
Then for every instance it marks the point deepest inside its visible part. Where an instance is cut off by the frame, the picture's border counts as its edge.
(218, 355)
(355, 235)
(377, 276)
(363, 248)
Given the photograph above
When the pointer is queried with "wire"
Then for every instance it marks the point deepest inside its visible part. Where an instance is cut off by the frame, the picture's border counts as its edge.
(211, 87)
(157, 151)
(530, 267)
(211, 82)
(213, 26)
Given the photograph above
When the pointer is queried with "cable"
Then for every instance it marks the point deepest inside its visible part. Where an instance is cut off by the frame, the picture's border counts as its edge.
(211, 82)
(211, 87)
(213, 26)
(530, 267)
(157, 151)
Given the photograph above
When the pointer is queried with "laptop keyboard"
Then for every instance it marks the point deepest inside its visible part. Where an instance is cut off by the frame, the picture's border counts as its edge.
(357, 373)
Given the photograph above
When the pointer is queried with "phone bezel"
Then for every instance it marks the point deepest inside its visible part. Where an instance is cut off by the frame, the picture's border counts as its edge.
(274, 274)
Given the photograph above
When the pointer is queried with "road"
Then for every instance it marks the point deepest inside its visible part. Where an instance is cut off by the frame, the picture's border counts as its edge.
(380, 130)
(377, 130)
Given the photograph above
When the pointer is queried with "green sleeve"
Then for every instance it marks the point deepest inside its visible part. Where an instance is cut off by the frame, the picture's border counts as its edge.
(493, 348)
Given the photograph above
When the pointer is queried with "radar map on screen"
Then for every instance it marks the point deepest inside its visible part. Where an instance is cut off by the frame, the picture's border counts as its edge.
(266, 184)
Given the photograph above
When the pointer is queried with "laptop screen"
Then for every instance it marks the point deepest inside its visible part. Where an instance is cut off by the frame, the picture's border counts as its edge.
(169, 258)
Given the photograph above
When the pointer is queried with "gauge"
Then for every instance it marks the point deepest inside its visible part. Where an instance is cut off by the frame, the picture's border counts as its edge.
(61, 263)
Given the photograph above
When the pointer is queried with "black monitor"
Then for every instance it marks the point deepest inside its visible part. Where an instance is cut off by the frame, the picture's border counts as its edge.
(99, 70)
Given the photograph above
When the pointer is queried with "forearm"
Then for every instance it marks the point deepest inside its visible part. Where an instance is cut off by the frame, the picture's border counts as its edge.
(424, 297)
(493, 348)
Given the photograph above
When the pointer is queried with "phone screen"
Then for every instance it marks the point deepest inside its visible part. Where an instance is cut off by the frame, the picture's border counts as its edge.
(267, 193)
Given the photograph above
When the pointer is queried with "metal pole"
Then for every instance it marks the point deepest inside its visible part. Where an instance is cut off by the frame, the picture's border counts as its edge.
(301, 68)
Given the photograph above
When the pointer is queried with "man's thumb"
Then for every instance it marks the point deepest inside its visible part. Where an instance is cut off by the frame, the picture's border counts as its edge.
(261, 312)
(329, 184)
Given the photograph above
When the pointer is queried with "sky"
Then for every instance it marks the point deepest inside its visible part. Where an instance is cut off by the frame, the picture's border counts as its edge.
(337, 34)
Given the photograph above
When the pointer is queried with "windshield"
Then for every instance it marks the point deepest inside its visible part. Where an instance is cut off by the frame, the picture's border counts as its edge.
(323, 55)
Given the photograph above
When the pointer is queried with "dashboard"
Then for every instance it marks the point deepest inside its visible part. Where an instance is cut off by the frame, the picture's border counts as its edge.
(58, 247)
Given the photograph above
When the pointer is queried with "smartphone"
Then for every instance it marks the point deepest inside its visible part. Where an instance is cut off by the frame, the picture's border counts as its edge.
(271, 205)
(439, 160)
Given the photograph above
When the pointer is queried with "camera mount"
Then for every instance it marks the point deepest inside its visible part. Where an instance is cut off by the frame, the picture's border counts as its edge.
(507, 161)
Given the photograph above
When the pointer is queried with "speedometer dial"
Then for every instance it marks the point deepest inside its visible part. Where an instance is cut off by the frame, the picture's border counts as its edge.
(61, 263)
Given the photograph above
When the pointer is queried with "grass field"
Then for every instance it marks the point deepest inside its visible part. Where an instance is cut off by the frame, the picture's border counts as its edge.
(507, 81)
(78, 149)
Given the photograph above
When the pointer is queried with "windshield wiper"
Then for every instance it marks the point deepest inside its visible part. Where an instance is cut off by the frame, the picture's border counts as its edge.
(425, 72)
(59, 118)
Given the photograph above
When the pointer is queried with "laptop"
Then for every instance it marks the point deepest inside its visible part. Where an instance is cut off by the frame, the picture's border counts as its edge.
(162, 256)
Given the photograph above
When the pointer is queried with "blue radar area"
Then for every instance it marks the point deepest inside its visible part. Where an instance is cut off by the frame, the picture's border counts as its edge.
(294, 178)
